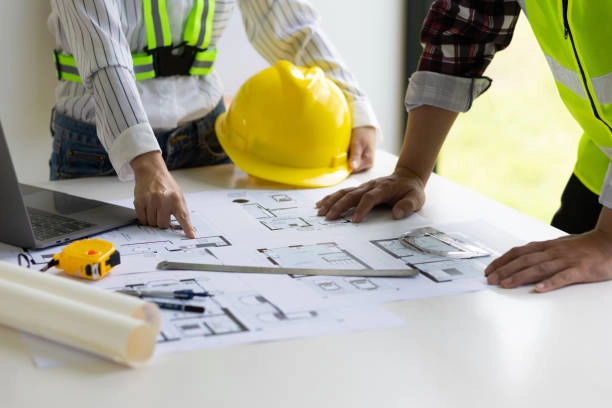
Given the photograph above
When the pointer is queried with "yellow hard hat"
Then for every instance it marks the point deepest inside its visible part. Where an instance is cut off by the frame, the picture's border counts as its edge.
(290, 125)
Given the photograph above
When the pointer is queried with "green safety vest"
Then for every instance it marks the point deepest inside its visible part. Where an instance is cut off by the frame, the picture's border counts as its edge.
(162, 58)
(575, 37)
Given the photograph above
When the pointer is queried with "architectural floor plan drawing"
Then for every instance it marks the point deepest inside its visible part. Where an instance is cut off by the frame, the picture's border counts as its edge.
(437, 268)
(283, 210)
(144, 246)
(240, 310)
(327, 255)
(280, 229)
(438, 275)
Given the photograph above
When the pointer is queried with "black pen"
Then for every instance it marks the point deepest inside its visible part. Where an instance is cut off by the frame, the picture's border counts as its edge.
(184, 294)
(179, 307)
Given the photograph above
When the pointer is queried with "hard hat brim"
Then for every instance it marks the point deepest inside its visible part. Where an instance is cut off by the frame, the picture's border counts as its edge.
(294, 176)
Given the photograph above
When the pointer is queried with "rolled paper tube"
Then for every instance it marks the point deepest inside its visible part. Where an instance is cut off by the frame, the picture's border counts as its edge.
(49, 307)
(81, 292)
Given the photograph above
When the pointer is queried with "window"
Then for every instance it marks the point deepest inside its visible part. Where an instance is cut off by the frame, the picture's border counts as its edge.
(518, 143)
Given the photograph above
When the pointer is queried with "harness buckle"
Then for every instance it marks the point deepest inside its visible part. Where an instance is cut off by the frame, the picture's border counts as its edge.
(173, 60)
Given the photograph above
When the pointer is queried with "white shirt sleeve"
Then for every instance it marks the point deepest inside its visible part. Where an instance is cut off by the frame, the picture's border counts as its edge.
(448, 92)
(92, 33)
(290, 30)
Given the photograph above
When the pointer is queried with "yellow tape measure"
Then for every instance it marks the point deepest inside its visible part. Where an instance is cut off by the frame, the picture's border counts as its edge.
(87, 258)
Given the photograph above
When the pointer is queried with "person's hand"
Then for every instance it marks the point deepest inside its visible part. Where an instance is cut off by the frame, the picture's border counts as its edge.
(403, 190)
(362, 148)
(556, 263)
(157, 196)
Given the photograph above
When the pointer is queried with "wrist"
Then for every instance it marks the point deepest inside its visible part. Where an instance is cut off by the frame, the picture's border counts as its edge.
(408, 173)
(604, 223)
(147, 162)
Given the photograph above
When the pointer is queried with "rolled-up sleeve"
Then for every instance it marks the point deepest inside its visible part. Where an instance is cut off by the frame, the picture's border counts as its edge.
(444, 91)
(459, 40)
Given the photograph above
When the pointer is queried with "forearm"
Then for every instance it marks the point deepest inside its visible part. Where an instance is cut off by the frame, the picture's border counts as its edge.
(118, 103)
(426, 131)
(121, 121)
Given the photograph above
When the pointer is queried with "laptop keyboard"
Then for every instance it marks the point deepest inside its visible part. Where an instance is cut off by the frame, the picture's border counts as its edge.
(47, 225)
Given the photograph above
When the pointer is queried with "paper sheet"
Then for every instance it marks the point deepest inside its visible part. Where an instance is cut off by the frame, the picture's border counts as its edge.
(281, 228)
(118, 327)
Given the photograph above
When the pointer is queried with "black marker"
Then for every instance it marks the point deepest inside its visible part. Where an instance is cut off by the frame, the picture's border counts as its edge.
(179, 307)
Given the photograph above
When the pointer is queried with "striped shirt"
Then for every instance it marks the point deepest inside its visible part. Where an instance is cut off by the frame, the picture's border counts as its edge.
(102, 35)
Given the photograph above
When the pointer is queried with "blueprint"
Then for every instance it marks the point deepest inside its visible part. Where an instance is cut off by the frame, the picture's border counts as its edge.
(280, 228)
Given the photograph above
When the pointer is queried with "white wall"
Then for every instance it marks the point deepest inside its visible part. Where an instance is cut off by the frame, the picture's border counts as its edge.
(370, 40)
(27, 81)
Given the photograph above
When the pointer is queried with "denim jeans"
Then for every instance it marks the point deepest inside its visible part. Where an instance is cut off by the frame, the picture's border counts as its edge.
(77, 152)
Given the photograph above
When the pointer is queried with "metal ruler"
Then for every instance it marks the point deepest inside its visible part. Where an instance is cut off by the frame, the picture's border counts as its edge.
(194, 266)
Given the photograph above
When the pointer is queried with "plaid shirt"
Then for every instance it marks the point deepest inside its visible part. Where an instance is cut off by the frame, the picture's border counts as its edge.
(459, 40)
(461, 37)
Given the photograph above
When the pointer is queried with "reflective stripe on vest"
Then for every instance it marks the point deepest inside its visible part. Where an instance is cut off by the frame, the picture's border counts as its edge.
(160, 51)
(574, 36)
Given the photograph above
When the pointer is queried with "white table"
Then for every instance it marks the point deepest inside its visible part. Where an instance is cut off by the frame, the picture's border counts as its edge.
(495, 348)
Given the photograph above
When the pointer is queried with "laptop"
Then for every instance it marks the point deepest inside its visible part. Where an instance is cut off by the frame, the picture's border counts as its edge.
(34, 217)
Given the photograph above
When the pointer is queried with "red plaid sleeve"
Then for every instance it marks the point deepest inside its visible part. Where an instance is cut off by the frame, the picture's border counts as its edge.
(460, 37)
